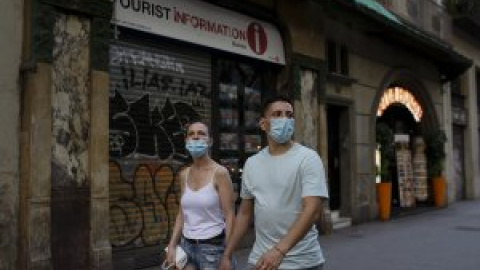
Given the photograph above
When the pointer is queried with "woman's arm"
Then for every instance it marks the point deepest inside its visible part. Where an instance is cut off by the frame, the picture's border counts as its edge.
(177, 228)
(225, 192)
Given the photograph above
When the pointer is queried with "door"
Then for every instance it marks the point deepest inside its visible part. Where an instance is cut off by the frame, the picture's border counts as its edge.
(338, 157)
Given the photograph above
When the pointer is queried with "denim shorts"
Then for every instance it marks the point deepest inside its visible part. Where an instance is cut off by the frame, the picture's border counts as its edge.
(319, 267)
(203, 256)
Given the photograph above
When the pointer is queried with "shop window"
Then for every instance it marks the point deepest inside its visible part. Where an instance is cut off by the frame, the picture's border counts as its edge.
(238, 110)
(337, 58)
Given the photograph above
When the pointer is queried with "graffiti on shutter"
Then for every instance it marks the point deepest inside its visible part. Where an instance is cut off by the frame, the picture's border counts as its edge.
(154, 92)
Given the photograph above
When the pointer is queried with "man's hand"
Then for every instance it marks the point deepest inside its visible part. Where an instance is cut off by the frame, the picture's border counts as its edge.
(270, 260)
(225, 263)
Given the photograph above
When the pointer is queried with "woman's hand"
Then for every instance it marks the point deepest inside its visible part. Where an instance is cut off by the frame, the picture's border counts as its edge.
(171, 255)
(225, 263)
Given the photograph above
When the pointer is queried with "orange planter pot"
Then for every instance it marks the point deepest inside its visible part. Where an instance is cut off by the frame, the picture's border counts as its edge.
(384, 200)
(439, 191)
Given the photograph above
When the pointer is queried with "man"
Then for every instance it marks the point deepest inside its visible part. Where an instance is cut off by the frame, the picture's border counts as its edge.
(283, 186)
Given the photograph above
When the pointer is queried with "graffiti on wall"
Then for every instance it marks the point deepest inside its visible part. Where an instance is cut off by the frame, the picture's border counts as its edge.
(151, 101)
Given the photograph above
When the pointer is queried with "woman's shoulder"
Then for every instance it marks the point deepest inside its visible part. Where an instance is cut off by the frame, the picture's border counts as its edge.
(221, 170)
(221, 174)
(183, 171)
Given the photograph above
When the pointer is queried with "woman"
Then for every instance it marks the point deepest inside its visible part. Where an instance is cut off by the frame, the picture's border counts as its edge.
(205, 218)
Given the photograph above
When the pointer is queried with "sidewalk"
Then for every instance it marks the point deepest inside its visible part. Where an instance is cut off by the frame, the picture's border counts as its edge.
(443, 239)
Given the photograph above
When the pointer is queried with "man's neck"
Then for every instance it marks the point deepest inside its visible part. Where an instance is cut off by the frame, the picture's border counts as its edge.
(276, 149)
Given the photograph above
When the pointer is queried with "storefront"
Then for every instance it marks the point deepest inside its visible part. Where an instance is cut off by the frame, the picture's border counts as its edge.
(403, 111)
(172, 63)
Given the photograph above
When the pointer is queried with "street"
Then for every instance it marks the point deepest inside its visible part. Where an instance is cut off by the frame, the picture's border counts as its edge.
(442, 239)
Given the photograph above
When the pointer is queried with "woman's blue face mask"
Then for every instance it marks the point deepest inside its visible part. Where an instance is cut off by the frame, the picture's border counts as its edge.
(196, 148)
(281, 129)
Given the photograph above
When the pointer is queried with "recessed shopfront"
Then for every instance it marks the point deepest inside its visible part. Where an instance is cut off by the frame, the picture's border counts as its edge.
(404, 114)
(172, 63)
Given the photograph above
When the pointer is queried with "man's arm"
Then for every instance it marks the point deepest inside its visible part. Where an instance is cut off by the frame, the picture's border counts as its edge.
(314, 188)
(310, 208)
(242, 222)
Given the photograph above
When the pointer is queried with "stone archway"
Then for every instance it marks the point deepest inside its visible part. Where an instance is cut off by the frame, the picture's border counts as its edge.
(403, 87)
(408, 80)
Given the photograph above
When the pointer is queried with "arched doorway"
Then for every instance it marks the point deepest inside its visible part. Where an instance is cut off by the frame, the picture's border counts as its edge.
(405, 129)
(408, 112)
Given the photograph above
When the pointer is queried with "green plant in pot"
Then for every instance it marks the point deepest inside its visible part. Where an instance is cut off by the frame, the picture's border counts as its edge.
(384, 138)
(435, 153)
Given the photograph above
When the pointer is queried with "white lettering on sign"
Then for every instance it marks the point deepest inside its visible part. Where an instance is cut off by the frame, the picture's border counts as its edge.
(402, 96)
(145, 8)
(204, 24)
(127, 56)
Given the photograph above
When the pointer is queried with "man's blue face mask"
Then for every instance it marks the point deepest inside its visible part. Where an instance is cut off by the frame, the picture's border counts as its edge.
(196, 148)
(281, 129)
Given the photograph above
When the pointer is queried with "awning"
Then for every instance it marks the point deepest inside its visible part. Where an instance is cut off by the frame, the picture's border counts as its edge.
(378, 8)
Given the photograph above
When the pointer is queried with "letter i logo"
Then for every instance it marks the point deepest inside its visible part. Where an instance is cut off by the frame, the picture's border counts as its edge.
(257, 38)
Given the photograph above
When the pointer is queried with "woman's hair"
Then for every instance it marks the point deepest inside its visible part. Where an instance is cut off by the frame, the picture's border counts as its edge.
(187, 127)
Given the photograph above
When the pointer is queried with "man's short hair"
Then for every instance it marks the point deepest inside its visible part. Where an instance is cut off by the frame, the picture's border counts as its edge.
(272, 99)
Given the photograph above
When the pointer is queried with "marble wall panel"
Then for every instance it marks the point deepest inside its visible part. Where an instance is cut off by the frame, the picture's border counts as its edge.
(70, 101)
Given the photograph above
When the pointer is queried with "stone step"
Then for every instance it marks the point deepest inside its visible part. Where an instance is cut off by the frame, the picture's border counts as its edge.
(339, 222)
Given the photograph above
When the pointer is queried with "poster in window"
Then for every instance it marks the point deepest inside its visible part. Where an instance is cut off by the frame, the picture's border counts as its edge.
(251, 119)
(229, 118)
(252, 99)
(231, 163)
(253, 143)
(228, 93)
(229, 141)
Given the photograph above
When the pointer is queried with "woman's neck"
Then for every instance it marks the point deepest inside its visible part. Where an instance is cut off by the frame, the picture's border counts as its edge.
(202, 162)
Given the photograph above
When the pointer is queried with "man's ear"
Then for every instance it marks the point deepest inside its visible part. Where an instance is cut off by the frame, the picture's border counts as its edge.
(263, 124)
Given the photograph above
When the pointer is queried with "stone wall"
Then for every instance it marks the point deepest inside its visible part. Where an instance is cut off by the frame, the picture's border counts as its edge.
(11, 43)
(470, 86)
(70, 137)
(63, 216)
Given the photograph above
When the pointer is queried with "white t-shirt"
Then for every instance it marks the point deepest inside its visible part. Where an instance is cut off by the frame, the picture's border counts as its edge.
(277, 185)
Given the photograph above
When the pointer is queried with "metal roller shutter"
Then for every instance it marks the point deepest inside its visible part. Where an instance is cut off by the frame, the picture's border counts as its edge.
(154, 92)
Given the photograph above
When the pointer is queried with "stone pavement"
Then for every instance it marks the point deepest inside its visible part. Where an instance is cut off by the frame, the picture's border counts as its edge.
(441, 239)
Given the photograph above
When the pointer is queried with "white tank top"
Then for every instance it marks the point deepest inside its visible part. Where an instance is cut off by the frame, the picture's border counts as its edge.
(202, 215)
